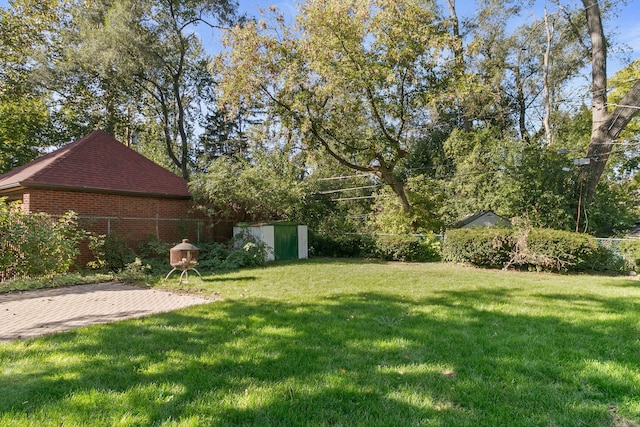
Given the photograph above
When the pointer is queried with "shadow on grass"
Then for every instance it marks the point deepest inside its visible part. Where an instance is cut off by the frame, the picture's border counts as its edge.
(358, 359)
(212, 278)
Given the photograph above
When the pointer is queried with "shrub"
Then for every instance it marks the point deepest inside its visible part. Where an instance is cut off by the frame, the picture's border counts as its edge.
(251, 254)
(564, 250)
(134, 272)
(154, 254)
(212, 255)
(529, 248)
(241, 251)
(606, 259)
(630, 250)
(246, 251)
(483, 247)
(111, 253)
(35, 245)
(408, 248)
(342, 245)
(153, 248)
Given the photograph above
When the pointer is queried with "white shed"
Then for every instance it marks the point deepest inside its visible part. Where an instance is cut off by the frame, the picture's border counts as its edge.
(286, 240)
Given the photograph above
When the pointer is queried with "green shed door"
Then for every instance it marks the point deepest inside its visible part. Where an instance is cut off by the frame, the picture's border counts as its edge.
(285, 241)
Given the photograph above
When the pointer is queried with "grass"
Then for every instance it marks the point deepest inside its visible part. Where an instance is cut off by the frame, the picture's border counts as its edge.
(70, 279)
(347, 343)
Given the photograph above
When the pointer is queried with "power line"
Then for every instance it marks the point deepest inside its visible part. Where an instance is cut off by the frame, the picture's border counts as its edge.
(347, 189)
(635, 107)
(345, 177)
(343, 199)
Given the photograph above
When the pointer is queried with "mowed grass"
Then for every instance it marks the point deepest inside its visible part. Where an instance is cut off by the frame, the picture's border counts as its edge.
(347, 343)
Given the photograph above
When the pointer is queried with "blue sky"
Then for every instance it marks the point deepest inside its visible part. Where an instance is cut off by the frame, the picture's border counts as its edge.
(624, 29)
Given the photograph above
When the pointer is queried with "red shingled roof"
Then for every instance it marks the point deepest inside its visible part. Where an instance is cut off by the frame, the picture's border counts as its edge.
(97, 162)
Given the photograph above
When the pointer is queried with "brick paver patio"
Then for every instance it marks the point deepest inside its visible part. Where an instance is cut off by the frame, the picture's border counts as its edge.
(33, 313)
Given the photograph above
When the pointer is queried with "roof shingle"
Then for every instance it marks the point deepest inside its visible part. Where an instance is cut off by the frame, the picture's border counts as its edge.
(97, 162)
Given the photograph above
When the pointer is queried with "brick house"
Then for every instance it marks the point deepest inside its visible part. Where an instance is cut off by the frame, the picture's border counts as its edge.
(113, 189)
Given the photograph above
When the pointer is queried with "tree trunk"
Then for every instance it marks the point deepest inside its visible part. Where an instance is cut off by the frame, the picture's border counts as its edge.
(387, 175)
(606, 126)
(546, 121)
(458, 52)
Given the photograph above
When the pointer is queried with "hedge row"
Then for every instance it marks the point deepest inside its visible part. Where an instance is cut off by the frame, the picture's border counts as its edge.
(391, 248)
(532, 249)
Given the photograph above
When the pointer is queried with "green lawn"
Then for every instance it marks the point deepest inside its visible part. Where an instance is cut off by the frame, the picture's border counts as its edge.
(347, 343)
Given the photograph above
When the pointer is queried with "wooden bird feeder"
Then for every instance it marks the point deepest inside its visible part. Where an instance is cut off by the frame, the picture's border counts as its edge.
(183, 257)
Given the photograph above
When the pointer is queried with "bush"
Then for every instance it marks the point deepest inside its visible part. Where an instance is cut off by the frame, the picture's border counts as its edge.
(36, 245)
(529, 248)
(111, 253)
(246, 251)
(341, 246)
(212, 255)
(408, 248)
(153, 248)
(241, 251)
(630, 250)
(134, 272)
(483, 247)
(606, 259)
(564, 250)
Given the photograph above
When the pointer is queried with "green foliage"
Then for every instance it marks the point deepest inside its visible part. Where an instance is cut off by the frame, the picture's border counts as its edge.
(389, 247)
(341, 245)
(21, 123)
(536, 187)
(483, 247)
(117, 254)
(630, 249)
(250, 254)
(349, 79)
(621, 83)
(425, 198)
(134, 272)
(153, 247)
(408, 248)
(608, 260)
(95, 242)
(557, 250)
(246, 251)
(480, 157)
(569, 250)
(529, 248)
(212, 255)
(613, 209)
(58, 281)
(111, 253)
(241, 251)
(36, 245)
(263, 190)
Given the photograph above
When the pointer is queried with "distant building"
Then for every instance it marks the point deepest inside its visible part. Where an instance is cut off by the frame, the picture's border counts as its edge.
(482, 219)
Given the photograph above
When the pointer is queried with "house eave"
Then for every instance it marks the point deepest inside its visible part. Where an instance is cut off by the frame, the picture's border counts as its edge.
(11, 186)
(81, 189)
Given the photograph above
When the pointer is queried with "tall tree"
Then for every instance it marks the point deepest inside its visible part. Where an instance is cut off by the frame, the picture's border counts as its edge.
(150, 46)
(355, 79)
(29, 41)
(607, 123)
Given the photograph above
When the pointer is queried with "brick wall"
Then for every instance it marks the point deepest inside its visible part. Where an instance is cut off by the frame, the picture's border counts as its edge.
(134, 218)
